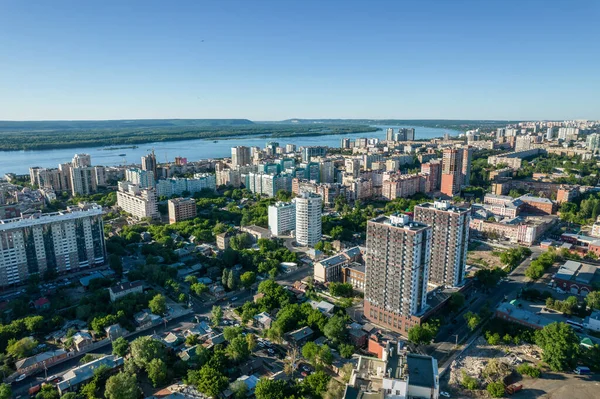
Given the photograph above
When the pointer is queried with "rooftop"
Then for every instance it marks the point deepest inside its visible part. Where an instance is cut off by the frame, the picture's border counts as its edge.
(529, 198)
(400, 221)
(421, 370)
(125, 286)
(36, 219)
(577, 271)
(524, 315)
(446, 206)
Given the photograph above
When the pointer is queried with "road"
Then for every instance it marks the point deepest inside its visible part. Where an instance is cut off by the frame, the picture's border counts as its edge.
(451, 334)
(182, 322)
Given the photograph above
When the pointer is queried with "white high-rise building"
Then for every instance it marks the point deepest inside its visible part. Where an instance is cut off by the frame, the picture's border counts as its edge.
(308, 219)
(63, 241)
(140, 202)
(82, 160)
(549, 134)
(143, 178)
(240, 156)
(282, 218)
(83, 180)
(593, 142)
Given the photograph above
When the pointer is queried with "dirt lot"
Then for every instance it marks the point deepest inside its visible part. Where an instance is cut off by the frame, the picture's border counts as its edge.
(482, 256)
(550, 385)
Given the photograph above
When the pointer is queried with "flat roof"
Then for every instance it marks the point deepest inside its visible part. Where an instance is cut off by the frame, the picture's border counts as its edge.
(420, 370)
(45, 218)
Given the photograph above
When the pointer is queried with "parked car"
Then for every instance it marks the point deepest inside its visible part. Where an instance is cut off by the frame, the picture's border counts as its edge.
(21, 377)
(445, 394)
(582, 370)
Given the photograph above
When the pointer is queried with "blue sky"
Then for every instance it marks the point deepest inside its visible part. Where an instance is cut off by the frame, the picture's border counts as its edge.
(279, 59)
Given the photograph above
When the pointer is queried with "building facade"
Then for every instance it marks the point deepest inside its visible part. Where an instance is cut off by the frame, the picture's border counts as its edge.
(451, 171)
(397, 271)
(308, 219)
(282, 218)
(63, 241)
(181, 209)
(449, 241)
(139, 202)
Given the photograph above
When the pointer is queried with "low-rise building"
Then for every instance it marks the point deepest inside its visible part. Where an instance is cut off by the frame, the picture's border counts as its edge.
(299, 337)
(330, 269)
(539, 205)
(592, 322)
(576, 278)
(38, 362)
(82, 340)
(122, 289)
(76, 377)
(263, 321)
(512, 313)
(223, 240)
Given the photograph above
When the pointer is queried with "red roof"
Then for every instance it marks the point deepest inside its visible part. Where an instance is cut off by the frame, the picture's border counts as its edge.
(41, 302)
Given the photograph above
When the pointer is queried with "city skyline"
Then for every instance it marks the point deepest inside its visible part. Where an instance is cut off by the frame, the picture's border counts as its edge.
(274, 61)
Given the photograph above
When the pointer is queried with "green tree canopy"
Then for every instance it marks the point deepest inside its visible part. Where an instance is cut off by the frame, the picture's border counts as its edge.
(560, 346)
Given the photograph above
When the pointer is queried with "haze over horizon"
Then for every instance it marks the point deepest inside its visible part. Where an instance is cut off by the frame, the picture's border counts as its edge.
(271, 61)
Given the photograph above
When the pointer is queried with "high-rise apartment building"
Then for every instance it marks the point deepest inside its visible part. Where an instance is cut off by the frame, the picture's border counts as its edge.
(308, 219)
(449, 241)
(62, 241)
(141, 177)
(149, 163)
(467, 157)
(240, 156)
(397, 271)
(82, 160)
(352, 166)
(549, 133)
(326, 171)
(389, 134)
(289, 148)
(593, 142)
(139, 202)
(282, 218)
(309, 152)
(181, 209)
(83, 180)
(434, 169)
(451, 171)
(405, 134)
(346, 143)
(500, 132)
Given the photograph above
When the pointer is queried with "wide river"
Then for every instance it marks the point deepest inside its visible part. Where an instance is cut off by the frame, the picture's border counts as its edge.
(19, 161)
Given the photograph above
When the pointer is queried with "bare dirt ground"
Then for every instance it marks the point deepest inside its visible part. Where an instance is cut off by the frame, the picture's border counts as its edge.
(550, 385)
(482, 256)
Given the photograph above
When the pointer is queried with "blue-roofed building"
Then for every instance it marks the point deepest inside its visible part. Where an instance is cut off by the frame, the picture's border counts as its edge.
(77, 376)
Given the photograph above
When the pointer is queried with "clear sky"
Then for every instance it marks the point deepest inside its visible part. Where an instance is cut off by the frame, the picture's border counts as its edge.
(279, 59)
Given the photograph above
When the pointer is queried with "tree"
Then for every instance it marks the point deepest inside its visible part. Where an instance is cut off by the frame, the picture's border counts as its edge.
(251, 341)
(346, 350)
(317, 382)
(231, 332)
(472, 319)
(116, 264)
(270, 389)
(237, 350)
(216, 315)
(340, 289)
(21, 348)
(422, 335)
(199, 288)
(527, 369)
(468, 381)
(208, 380)
(191, 279)
(122, 386)
(335, 329)
(70, 395)
(239, 389)
(496, 389)
(157, 372)
(48, 392)
(5, 391)
(560, 346)
(232, 281)
(144, 349)
(120, 347)
(592, 300)
(457, 301)
(247, 279)
(158, 305)
(90, 389)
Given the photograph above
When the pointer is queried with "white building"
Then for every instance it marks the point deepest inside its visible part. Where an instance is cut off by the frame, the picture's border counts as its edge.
(592, 322)
(282, 218)
(82, 160)
(63, 241)
(177, 186)
(83, 180)
(140, 177)
(308, 219)
(140, 202)
(593, 142)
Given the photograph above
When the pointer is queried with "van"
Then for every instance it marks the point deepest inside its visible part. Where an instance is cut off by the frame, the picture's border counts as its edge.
(582, 370)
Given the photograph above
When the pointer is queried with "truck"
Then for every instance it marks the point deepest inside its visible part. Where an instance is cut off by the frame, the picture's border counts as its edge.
(582, 370)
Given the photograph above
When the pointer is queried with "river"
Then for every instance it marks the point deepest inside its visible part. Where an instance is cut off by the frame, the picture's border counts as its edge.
(19, 161)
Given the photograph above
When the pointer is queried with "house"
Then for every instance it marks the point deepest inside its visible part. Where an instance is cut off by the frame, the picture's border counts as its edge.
(145, 318)
(263, 321)
(80, 375)
(258, 297)
(592, 322)
(215, 339)
(300, 336)
(223, 240)
(324, 307)
(256, 232)
(250, 382)
(122, 289)
(189, 354)
(114, 331)
(197, 330)
(37, 362)
(82, 340)
(251, 366)
(173, 340)
(358, 337)
(217, 290)
(42, 304)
